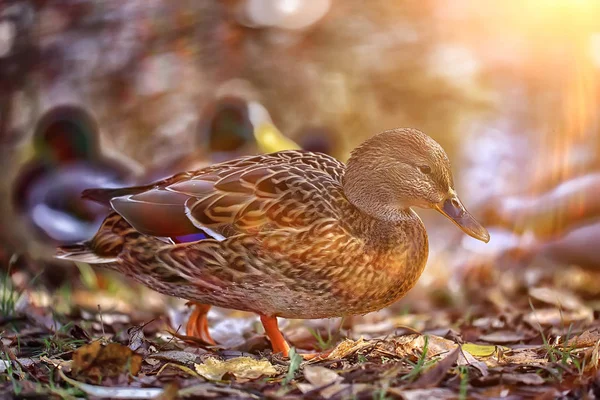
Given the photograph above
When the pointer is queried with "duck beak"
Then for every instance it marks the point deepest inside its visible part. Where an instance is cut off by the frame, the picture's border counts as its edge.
(268, 137)
(271, 140)
(453, 208)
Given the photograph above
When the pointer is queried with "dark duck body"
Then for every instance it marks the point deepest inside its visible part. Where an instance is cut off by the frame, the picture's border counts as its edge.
(67, 159)
(291, 234)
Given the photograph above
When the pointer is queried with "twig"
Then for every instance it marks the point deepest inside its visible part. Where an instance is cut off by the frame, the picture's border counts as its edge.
(101, 321)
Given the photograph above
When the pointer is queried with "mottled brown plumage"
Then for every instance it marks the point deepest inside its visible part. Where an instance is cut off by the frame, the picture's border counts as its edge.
(291, 234)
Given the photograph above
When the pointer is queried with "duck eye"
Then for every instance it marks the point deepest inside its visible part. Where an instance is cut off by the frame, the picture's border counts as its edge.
(426, 169)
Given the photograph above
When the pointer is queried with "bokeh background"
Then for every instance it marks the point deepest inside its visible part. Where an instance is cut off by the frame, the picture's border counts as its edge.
(118, 92)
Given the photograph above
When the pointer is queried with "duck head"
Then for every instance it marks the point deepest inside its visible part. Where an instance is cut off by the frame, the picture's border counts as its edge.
(66, 134)
(233, 126)
(403, 168)
(226, 126)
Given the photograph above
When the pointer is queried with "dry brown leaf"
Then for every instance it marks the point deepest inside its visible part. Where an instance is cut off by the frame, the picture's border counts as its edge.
(433, 376)
(240, 367)
(555, 316)
(466, 358)
(136, 337)
(413, 344)
(96, 361)
(519, 357)
(595, 355)
(558, 298)
(177, 356)
(525, 379)
(321, 377)
(586, 339)
(348, 347)
(423, 394)
(503, 337)
(57, 362)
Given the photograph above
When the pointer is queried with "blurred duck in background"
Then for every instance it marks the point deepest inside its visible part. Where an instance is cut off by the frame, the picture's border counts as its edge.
(563, 222)
(66, 160)
(228, 128)
(318, 139)
(552, 225)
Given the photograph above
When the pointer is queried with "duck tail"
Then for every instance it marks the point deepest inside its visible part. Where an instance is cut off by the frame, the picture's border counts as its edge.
(82, 252)
(104, 247)
(104, 196)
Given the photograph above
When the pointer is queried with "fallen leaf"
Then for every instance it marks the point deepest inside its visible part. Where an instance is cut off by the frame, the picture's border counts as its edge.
(479, 350)
(86, 355)
(466, 358)
(57, 362)
(26, 362)
(152, 361)
(96, 361)
(555, 316)
(595, 355)
(586, 339)
(77, 332)
(413, 345)
(503, 337)
(434, 375)
(321, 377)
(4, 365)
(521, 357)
(348, 347)
(240, 367)
(136, 337)
(424, 394)
(525, 379)
(558, 298)
(176, 356)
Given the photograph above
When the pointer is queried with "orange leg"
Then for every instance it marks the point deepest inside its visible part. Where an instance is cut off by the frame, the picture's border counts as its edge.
(278, 342)
(197, 325)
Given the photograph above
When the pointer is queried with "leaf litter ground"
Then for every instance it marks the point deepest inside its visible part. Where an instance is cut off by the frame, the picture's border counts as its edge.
(98, 341)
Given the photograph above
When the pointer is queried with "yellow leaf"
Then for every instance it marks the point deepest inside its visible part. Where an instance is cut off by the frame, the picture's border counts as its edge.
(241, 367)
(479, 350)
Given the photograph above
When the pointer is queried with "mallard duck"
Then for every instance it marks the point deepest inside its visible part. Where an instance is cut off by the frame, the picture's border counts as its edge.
(67, 159)
(291, 234)
(229, 127)
(551, 214)
(562, 223)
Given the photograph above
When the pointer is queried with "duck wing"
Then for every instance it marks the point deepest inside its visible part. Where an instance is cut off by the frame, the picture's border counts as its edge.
(253, 194)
